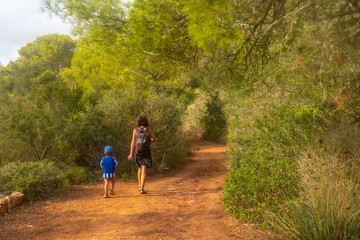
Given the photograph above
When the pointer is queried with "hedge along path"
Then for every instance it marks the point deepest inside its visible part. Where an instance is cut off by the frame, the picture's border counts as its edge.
(183, 204)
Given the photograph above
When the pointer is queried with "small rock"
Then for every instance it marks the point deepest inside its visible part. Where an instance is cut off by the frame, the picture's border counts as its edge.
(15, 199)
(3, 205)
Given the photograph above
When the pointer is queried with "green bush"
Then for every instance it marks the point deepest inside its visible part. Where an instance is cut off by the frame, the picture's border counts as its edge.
(327, 205)
(260, 158)
(165, 113)
(194, 112)
(80, 175)
(36, 180)
(214, 120)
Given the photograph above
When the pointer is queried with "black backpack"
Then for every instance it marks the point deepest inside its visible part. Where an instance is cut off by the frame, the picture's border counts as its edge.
(142, 142)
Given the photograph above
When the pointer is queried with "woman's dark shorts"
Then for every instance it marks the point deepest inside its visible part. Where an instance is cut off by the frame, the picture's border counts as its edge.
(143, 161)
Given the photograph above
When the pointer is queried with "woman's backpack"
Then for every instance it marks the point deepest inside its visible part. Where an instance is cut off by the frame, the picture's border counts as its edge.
(142, 142)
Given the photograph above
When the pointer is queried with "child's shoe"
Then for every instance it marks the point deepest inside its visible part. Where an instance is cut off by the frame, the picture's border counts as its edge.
(112, 192)
(106, 196)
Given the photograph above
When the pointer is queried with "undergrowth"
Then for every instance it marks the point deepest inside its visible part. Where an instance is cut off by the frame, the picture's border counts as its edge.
(327, 205)
(36, 180)
(260, 158)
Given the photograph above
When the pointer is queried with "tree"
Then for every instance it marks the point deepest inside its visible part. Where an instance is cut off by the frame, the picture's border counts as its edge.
(38, 108)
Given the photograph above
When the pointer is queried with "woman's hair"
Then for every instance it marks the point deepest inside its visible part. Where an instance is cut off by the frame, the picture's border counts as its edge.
(142, 121)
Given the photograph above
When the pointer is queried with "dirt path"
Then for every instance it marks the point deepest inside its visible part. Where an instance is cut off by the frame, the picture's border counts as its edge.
(182, 205)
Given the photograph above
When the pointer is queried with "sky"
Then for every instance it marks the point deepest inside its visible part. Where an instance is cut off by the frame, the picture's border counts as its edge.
(21, 21)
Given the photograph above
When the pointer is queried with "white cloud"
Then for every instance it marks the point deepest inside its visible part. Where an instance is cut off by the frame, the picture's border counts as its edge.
(21, 21)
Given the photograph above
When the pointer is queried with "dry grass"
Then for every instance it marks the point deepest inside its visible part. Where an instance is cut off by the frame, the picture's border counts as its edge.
(328, 206)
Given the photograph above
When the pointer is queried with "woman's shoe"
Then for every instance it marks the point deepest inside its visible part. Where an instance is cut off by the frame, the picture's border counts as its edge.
(142, 191)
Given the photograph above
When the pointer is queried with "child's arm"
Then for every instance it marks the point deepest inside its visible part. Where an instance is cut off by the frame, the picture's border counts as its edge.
(101, 165)
(132, 145)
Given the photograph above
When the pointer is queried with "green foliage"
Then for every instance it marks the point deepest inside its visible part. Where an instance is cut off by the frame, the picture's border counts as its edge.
(214, 120)
(260, 158)
(35, 179)
(102, 19)
(194, 112)
(128, 175)
(160, 31)
(312, 87)
(80, 175)
(125, 177)
(327, 206)
(165, 113)
(212, 25)
(96, 70)
(38, 109)
(49, 52)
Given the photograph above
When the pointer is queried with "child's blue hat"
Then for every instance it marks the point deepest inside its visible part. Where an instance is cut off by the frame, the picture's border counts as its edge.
(108, 149)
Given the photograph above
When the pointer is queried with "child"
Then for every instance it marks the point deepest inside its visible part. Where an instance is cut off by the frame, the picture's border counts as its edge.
(109, 164)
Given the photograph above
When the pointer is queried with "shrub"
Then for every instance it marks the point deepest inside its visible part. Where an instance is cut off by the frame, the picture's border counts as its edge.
(214, 120)
(165, 114)
(80, 175)
(194, 112)
(327, 205)
(36, 179)
(260, 158)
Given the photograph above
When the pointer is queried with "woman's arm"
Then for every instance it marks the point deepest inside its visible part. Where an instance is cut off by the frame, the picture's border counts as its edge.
(132, 145)
(151, 134)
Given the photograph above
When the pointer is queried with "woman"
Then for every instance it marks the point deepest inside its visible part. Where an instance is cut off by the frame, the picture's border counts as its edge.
(140, 149)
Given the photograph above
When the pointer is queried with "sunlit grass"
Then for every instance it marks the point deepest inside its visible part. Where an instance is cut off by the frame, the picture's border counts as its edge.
(328, 206)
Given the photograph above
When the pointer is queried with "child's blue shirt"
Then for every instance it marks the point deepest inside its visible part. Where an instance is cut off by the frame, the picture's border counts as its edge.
(108, 163)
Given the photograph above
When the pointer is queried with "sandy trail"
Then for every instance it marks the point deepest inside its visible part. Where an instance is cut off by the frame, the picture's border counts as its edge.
(182, 205)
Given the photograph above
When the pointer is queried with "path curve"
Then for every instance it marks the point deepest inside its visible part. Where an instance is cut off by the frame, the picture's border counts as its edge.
(182, 205)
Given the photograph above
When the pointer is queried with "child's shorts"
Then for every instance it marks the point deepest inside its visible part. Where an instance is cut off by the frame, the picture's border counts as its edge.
(108, 175)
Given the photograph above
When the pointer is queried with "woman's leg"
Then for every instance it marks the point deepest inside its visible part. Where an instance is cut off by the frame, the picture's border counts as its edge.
(143, 176)
(139, 176)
